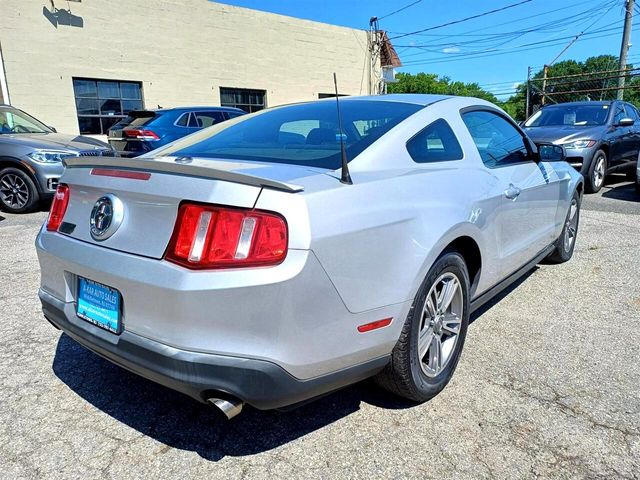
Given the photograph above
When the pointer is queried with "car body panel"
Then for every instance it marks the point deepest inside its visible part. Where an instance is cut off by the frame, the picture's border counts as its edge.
(357, 253)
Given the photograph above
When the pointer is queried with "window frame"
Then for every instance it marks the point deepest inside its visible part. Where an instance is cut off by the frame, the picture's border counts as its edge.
(421, 131)
(100, 116)
(531, 150)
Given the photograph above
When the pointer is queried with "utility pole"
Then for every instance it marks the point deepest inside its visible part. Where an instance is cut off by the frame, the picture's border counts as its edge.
(624, 48)
(545, 72)
(526, 108)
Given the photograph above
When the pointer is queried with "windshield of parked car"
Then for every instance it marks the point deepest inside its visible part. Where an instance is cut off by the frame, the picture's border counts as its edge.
(14, 121)
(302, 134)
(573, 115)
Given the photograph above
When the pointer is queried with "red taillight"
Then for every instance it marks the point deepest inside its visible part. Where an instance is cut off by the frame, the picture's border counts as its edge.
(140, 134)
(58, 208)
(217, 237)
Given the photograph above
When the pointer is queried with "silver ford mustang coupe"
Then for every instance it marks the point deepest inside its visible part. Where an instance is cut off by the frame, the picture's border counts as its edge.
(282, 255)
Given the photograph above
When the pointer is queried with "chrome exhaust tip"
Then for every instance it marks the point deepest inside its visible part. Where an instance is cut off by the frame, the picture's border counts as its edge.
(230, 407)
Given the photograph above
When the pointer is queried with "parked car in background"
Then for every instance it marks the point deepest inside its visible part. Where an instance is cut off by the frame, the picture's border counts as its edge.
(145, 130)
(599, 137)
(31, 155)
(254, 269)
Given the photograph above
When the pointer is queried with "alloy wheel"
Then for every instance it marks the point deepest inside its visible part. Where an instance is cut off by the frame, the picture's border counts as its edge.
(598, 172)
(571, 226)
(440, 324)
(14, 190)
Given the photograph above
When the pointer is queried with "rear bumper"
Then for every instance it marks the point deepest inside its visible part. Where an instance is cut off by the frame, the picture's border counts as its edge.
(262, 384)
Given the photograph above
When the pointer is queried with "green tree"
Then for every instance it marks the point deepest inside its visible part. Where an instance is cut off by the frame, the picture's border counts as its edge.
(594, 79)
(432, 83)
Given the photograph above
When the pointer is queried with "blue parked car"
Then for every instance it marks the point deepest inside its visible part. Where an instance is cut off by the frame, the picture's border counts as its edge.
(145, 130)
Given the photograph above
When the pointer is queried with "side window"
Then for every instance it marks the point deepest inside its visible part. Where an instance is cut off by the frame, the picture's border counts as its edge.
(619, 113)
(183, 120)
(498, 141)
(631, 112)
(435, 143)
(205, 119)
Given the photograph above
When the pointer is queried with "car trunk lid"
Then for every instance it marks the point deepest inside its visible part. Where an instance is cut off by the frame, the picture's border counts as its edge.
(151, 190)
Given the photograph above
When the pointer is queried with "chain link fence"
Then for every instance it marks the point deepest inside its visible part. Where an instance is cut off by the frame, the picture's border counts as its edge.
(601, 85)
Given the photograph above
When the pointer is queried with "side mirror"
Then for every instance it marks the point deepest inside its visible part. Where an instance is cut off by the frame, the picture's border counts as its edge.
(625, 122)
(53, 129)
(548, 152)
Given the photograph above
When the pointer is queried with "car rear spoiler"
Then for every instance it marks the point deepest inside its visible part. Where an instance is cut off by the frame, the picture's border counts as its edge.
(228, 171)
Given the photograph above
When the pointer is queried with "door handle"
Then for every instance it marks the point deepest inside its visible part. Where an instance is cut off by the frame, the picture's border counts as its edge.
(512, 192)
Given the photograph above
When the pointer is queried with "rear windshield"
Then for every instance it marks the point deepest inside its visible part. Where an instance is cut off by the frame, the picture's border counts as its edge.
(137, 120)
(302, 134)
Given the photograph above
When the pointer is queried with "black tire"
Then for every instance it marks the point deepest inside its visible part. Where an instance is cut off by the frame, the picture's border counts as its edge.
(596, 175)
(563, 249)
(27, 198)
(405, 374)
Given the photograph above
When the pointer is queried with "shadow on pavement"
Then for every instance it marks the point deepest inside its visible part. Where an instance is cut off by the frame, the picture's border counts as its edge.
(2, 218)
(180, 422)
(625, 191)
(498, 298)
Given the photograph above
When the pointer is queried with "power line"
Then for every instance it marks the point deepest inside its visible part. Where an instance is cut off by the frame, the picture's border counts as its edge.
(462, 19)
(584, 15)
(469, 33)
(503, 52)
(399, 10)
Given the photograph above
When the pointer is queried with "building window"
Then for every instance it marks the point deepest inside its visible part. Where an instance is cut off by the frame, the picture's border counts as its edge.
(243, 98)
(102, 103)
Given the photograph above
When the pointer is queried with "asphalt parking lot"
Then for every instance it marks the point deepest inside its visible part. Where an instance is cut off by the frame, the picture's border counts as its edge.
(548, 386)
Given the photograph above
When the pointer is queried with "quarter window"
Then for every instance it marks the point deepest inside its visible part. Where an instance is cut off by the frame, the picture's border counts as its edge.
(243, 98)
(102, 103)
(498, 141)
(183, 120)
(436, 143)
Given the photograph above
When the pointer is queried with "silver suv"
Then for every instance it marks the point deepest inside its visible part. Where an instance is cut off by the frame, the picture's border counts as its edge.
(31, 155)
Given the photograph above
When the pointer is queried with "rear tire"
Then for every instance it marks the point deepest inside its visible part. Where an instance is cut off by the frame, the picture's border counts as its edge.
(18, 193)
(597, 171)
(566, 242)
(432, 338)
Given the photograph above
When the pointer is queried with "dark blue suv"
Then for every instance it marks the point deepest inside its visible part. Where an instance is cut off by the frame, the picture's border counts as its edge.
(145, 130)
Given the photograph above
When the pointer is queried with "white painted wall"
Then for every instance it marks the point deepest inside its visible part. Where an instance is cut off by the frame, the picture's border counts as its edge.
(182, 51)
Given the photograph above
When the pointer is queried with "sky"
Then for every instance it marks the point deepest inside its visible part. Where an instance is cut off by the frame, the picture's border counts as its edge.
(494, 49)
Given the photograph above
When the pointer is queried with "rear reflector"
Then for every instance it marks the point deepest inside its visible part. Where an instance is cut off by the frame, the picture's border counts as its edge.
(58, 207)
(140, 134)
(367, 327)
(106, 172)
(207, 237)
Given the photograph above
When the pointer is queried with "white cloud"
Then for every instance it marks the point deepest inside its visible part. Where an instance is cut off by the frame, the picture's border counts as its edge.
(516, 85)
(451, 50)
